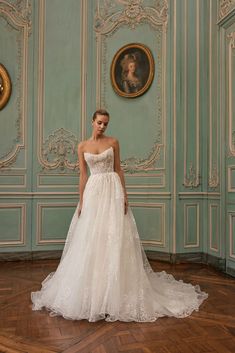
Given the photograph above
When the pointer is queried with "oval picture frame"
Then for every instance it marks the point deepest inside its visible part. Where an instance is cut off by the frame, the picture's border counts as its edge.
(135, 57)
(5, 86)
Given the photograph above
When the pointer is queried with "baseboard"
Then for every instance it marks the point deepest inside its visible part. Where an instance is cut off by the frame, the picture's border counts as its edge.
(230, 271)
(198, 257)
(31, 255)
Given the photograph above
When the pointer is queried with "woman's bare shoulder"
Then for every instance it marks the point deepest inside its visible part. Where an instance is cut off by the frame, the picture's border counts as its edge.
(82, 145)
(112, 140)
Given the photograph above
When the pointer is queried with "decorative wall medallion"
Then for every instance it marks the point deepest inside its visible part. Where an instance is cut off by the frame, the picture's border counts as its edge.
(59, 149)
(5, 86)
(132, 70)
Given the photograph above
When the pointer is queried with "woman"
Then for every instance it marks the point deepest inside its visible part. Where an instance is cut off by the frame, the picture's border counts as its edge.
(104, 272)
(131, 83)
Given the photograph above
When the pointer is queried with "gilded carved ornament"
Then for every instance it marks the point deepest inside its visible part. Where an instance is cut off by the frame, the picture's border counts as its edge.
(107, 16)
(225, 7)
(5, 86)
(58, 149)
(17, 16)
(110, 15)
(192, 180)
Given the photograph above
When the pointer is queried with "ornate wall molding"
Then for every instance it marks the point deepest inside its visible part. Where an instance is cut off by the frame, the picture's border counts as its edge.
(17, 17)
(225, 7)
(213, 177)
(231, 234)
(22, 240)
(109, 17)
(187, 229)
(40, 207)
(162, 208)
(212, 221)
(231, 132)
(58, 148)
(64, 155)
(192, 173)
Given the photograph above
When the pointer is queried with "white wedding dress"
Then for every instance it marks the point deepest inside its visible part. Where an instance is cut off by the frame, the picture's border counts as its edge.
(104, 272)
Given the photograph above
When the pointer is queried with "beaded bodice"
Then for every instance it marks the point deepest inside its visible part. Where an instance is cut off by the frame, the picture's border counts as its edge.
(101, 162)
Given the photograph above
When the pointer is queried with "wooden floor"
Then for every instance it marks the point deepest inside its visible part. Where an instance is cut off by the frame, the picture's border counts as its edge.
(212, 329)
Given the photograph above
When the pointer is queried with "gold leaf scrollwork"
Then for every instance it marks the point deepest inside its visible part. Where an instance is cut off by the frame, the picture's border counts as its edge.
(225, 6)
(5, 86)
(191, 180)
(133, 164)
(59, 149)
(214, 178)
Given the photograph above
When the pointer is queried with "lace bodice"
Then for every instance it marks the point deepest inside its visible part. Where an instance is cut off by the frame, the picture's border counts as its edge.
(100, 163)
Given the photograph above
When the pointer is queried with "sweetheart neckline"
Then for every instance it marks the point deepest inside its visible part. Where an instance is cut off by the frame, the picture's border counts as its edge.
(96, 154)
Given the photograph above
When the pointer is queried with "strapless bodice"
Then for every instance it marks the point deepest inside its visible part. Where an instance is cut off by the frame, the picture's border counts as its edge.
(100, 163)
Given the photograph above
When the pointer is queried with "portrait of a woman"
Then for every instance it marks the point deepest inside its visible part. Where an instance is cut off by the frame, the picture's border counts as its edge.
(132, 70)
(131, 82)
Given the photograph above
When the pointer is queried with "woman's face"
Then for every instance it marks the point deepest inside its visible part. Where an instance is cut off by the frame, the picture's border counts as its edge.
(131, 67)
(100, 124)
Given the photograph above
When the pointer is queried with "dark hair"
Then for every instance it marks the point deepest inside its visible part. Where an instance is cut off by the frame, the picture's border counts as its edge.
(100, 112)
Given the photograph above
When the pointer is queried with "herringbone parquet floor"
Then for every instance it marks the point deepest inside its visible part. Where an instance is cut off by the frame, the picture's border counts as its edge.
(22, 330)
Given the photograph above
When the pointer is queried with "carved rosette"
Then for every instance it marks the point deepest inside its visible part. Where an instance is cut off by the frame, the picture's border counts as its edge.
(59, 151)
(191, 180)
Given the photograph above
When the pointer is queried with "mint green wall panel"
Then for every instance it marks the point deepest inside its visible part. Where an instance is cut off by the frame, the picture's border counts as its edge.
(152, 223)
(54, 220)
(177, 140)
(214, 239)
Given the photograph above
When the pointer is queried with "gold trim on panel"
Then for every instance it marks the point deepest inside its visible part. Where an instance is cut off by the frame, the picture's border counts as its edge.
(231, 47)
(231, 216)
(20, 21)
(66, 140)
(225, 7)
(40, 206)
(5, 86)
(174, 193)
(107, 23)
(231, 168)
(213, 181)
(14, 185)
(186, 223)
(162, 206)
(39, 185)
(210, 226)
(22, 240)
(192, 176)
(84, 62)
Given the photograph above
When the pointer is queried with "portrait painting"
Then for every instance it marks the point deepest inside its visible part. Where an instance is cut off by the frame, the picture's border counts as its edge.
(132, 70)
(5, 86)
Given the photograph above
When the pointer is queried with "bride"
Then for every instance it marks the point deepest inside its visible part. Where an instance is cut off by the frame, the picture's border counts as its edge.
(104, 272)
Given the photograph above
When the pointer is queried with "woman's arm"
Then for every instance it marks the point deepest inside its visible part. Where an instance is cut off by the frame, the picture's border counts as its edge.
(119, 171)
(83, 175)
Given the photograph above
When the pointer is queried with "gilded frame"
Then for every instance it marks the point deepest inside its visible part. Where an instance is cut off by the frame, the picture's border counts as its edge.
(5, 86)
(138, 58)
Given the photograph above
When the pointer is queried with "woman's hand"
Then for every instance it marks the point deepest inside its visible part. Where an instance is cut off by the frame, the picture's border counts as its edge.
(79, 209)
(125, 204)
